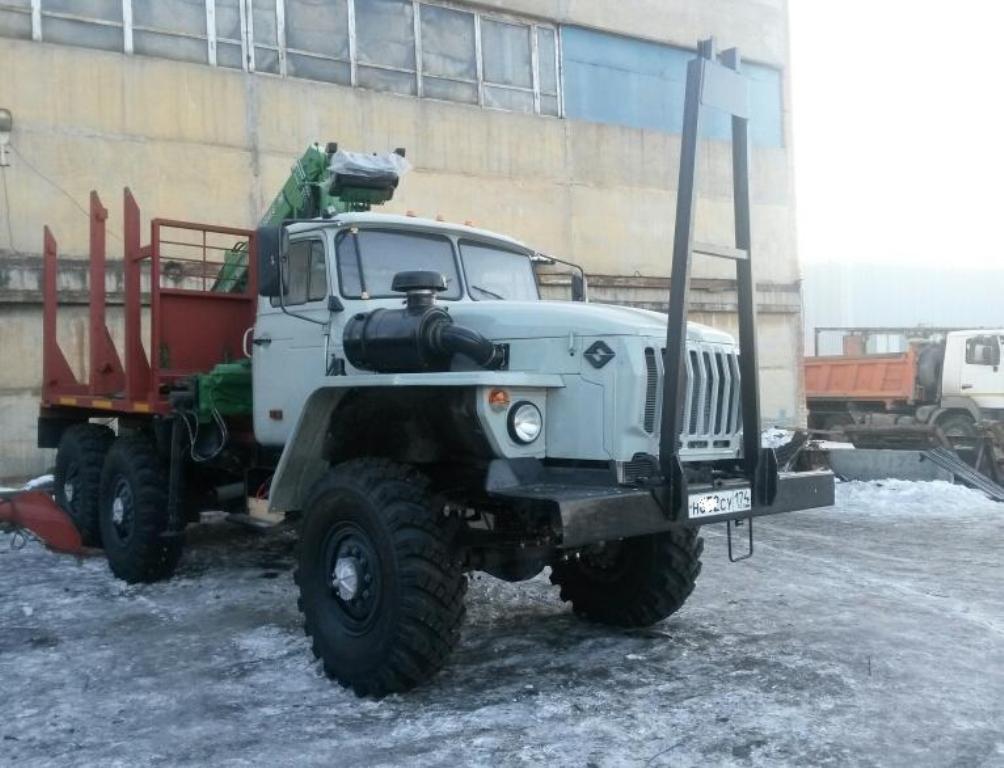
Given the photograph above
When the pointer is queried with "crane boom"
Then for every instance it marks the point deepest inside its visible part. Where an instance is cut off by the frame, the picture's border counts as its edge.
(322, 183)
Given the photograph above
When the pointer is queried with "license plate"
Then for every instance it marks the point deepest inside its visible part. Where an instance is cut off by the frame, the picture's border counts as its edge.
(715, 503)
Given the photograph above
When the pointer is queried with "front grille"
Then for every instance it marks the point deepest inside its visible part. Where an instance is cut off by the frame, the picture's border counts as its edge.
(712, 406)
(651, 390)
(712, 412)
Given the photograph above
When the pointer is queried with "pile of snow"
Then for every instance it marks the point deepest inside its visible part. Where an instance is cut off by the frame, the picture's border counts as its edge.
(42, 481)
(775, 437)
(913, 500)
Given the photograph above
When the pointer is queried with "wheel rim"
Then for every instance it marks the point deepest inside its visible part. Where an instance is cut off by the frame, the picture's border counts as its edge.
(70, 486)
(123, 512)
(351, 570)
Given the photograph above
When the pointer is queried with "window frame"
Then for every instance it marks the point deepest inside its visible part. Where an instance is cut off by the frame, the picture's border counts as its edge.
(353, 230)
(310, 240)
(248, 43)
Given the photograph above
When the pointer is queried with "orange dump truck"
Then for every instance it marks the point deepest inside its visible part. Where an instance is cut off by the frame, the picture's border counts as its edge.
(951, 384)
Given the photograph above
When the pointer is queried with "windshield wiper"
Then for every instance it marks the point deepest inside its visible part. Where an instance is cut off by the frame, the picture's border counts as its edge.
(485, 291)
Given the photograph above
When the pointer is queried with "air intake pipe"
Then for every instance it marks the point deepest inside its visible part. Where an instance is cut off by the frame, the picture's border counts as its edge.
(420, 337)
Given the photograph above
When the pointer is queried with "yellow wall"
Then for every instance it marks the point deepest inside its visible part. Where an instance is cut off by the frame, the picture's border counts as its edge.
(197, 142)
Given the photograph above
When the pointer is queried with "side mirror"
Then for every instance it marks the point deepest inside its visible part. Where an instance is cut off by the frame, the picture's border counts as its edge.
(273, 245)
(994, 350)
(578, 285)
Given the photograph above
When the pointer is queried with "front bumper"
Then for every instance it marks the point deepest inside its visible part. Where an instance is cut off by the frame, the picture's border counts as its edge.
(587, 507)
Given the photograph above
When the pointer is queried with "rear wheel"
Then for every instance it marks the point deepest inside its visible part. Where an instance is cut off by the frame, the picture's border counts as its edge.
(79, 459)
(134, 515)
(381, 586)
(635, 582)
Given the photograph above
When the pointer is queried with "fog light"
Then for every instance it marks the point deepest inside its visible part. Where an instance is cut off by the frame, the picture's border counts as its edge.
(525, 422)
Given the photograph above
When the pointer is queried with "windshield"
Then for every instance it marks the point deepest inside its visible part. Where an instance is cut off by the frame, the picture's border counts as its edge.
(494, 274)
(368, 259)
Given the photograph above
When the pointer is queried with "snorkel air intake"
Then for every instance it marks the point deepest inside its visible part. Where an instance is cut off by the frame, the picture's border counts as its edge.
(420, 337)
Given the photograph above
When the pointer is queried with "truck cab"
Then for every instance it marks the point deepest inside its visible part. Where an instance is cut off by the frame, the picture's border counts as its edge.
(972, 377)
(564, 358)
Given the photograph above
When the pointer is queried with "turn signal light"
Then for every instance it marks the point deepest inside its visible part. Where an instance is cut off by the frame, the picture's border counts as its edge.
(498, 399)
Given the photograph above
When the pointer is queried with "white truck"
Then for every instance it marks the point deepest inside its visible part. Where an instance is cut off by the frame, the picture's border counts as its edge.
(419, 410)
(954, 384)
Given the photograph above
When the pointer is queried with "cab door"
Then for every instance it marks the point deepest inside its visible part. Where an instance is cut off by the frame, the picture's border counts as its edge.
(288, 352)
(981, 377)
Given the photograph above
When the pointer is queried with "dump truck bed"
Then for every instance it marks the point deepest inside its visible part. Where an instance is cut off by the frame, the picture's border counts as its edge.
(877, 378)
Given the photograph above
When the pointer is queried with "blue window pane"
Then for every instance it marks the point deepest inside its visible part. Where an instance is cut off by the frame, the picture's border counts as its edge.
(641, 84)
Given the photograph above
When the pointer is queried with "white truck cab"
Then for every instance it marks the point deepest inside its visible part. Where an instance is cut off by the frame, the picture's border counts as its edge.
(972, 370)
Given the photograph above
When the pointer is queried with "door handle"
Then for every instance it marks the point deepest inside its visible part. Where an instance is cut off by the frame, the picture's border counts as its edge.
(262, 341)
(965, 386)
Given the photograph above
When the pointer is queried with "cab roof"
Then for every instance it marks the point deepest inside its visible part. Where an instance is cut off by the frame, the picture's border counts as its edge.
(409, 222)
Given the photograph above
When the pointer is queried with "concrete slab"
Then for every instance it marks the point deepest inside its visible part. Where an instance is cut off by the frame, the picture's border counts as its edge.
(879, 464)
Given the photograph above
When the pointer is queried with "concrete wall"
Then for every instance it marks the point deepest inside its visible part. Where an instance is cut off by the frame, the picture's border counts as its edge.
(198, 142)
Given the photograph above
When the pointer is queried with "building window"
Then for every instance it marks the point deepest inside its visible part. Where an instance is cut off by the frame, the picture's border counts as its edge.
(449, 54)
(385, 45)
(436, 49)
(228, 25)
(641, 84)
(171, 29)
(508, 65)
(317, 40)
(15, 19)
(263, 36)
(91, 23)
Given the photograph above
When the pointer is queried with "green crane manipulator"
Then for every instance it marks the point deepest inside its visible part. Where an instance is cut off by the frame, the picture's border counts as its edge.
(322, 183)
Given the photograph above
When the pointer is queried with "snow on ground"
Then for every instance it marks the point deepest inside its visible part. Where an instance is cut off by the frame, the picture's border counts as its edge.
(868, 634)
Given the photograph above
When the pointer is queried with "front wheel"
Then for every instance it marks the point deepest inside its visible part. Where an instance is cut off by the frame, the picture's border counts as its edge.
(381, 585)
(635, 582)
(958, 425)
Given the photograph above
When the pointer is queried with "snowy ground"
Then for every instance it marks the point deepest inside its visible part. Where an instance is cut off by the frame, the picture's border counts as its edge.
(870, 634)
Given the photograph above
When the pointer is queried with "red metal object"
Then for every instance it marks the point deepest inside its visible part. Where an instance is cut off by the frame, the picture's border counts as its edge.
(106, 374)
(194, 329)
(56, 373)
(880, 378)
(35, 511)
(192, 326)
(137, 365)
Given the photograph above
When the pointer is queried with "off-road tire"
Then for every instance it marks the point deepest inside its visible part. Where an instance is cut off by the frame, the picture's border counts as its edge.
(957, 424)
(77, 479)
(411, 619)
(136, 541)
(648, 579)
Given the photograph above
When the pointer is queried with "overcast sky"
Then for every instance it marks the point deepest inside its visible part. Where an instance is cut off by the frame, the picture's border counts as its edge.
(899, 137)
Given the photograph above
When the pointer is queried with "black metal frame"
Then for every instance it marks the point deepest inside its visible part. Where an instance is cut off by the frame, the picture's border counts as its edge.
(718, 85)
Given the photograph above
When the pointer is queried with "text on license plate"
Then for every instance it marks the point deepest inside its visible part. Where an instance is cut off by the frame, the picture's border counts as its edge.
(720, 503)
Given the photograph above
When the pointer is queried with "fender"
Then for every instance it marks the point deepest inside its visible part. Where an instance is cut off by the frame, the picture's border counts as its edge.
(302, 462)
(955, 403)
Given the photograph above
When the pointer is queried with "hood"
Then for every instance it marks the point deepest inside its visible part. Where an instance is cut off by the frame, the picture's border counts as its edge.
(557, 319)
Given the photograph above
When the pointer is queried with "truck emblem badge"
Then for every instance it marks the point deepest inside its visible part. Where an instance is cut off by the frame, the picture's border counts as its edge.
(599, 354)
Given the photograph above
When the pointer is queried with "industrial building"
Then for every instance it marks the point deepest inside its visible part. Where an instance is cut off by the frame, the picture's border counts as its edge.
(555, 121)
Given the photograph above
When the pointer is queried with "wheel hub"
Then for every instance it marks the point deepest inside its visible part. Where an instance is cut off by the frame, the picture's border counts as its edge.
(122, 510)
(68, 491)
(345, 579)
(118, 511)
(353, 577)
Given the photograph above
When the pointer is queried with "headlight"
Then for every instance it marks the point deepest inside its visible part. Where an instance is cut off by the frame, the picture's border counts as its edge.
(525, 422)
